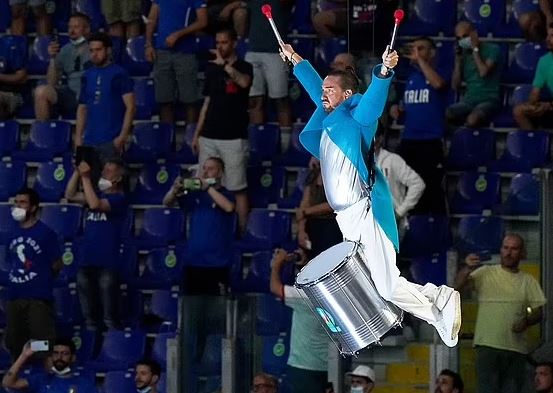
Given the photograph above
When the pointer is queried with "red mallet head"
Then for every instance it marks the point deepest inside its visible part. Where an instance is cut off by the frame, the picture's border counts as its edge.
(398, 16)
(266, 9)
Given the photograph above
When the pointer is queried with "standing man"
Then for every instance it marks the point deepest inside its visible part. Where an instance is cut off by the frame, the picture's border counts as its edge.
(34, 257)
(340, 133)
(509, 301)
(106, 102)
(449, 382)
(174, 56)
(222, 129)
(146, 376)
(69, 63)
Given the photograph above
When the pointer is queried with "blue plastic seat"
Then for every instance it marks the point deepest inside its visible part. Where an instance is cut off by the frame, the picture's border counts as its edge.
(480, 234)
(159, 349)
(265, 185)
(210, 363)
(128, 263)
(66, 305)
(150, 142)
(430, 269)
(429, 17)
(135, 60)
(272, 316)
(300, 102)
(524, 62)
(258, 275)
(145, 99)
(476, 192)
(525, 150)
(265, 230)
(293, 200)
(84, 341)
(65, 220)
(13, 176)
(51, 179)
(165, 305)
(9, 137)
(163, 268)
(327, 51)
(204, 44)
(5, 15)
(153, 183)
(520, 94)
(93, 9)
(183, 153)
(485, 15)
(511, 27)
(301, 19)
(119, 382)
(523, 197)
(304, 45)
(71, 258)
(13, 52)
(131, 307)
(47, 139)
(471, 148)
(275, 353)
(62, 12)
(296, 155)
(264, 142)
(120, 350)
(39, 57)
(161, 227)
(426, 235)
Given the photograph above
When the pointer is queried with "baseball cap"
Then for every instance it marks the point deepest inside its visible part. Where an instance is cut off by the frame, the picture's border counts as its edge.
(363, 371)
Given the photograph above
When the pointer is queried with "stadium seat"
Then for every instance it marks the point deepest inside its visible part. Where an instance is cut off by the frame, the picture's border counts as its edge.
(13, 176)
(84, 341)
(430, 269)
(264, 142)
(9, 137)
(471, 148)
(5, 15)
(327, 51)
(429, 17)
(150, 142)
(162, 384)
(524, 62)
(153, 183)
(66, 305)
(426, 235)
(71, 258)
(486, 16)
(476, 192)
(272, 316)
(39, 57)
(145, 99)
(258, 276)
(159, 349)
(265, 230)
(521, 94)
(93, 9)
(304, 45)
(275, 353)
(301, 20)
(523, 197)
(128, 263)
(163, 268)
(135, 60)
(293, 200)
(300, 102)
(204, 44)
(161, 227)
(64, 219)
(119, 382)
(47, 139)
(511, 28)
(51, 179)
(296, 155)
(165, 305)
(120, 350)
(183, 153)
(265, 185)
(479, 234)
(210, 363)
(525, 150)
(61, 14)
(131, 307)
(13, 52)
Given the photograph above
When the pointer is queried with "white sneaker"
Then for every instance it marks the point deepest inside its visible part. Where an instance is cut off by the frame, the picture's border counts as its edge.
(450, 311)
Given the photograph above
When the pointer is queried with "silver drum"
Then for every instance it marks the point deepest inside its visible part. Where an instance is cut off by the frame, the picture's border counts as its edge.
(339, 288)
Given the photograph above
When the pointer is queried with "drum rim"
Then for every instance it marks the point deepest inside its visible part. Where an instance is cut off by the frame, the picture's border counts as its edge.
(356, 247)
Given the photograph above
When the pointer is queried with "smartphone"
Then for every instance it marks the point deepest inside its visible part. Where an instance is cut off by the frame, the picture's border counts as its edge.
(484, 255)
(39, 345)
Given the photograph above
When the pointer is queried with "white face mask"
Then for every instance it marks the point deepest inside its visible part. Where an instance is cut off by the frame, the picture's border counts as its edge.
(19, 214)
(66, 370)
(78, 41)
(104, 184)
(465, 43)
(356, 389)
(146, 389)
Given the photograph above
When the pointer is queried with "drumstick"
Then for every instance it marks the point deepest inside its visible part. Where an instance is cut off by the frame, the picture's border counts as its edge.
(398, 17)
(267, 11)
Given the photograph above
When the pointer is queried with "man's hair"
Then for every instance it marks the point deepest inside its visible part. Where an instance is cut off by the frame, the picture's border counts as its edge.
(518, 237)
(219, 161)
(228, 31)
(268, 377)
(545, 364)
(104, 38)
(457, 381)
(34, 198)
(426, 39)
(348, 79)
(82, 16)
(66, 342)
(119, 163)
(154, 366)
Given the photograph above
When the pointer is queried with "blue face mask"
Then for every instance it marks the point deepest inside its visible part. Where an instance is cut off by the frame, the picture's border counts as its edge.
(356, 389)
(465, 43)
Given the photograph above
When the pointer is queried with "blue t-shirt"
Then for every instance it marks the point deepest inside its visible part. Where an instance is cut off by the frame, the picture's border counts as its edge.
(31, 253)
(424, 108)
(102, 89)
(175, 15)
(102, 232)
(51, 383)
(211, 229)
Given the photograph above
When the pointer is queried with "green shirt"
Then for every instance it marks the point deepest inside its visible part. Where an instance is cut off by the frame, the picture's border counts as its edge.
(544, 73)
(480, 89)
(308, 340)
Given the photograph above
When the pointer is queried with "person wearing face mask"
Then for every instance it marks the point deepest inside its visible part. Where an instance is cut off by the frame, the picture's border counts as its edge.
(66, 67)
(478, 64)
(146, 376)
(361, 379)
(34, 257)
(61, 377)
(97, 280)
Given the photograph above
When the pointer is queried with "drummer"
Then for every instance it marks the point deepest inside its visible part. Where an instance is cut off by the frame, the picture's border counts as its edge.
(340, 134)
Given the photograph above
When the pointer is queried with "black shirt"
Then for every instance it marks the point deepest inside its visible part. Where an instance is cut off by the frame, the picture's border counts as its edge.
(227, 113)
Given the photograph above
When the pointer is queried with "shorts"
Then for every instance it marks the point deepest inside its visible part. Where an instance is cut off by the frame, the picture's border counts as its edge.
(234, 153)
(462, 109)
(9, 103)
(175, 77)
(32, 3)
(121, 10)
(270, 74)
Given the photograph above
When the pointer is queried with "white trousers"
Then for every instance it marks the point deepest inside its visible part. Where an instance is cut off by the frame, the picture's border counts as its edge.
(358, 224)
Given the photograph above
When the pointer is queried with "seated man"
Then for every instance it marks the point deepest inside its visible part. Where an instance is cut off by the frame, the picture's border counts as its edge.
(449, 382)
(265, 383)
(361, 379)
(146, 376)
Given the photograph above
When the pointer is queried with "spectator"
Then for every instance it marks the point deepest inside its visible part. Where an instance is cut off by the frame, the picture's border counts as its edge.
(210, 207)
(270, 74)
(19, 10)
(543, 377)
(123, 17)
(331, 19)
(307, 362)
(537, 111)
(175, 64)
(265, 383)
(423, 104)
(106, 102)
(343, 62)
(533, 24)
(69, 63)
(222, 129)
(146, 376)
(59, 379)
(97, 280)
(449, 382)
(228, 14)
(478, 64)
(362, 379)
(509, 301)
(13, 76)
(34, 257)
(405, 184)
